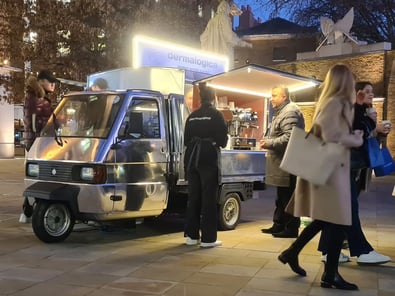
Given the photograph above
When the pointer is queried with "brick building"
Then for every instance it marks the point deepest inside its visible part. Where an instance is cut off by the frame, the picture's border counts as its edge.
(289, 47)
(377, 67)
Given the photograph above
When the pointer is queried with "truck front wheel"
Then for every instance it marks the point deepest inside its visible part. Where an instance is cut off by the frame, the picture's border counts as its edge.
(229, 212)
(52, 221)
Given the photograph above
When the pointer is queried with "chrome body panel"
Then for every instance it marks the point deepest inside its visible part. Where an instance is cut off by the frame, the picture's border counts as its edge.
(240, 166)
(135, 170)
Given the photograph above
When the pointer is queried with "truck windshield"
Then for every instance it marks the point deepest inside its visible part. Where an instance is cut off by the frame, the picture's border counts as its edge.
(87, 115)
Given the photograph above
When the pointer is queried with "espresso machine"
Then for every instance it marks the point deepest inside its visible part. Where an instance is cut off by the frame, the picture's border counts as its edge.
(242, 128)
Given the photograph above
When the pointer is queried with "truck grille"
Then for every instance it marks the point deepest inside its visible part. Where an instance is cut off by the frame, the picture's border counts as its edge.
(55, 171)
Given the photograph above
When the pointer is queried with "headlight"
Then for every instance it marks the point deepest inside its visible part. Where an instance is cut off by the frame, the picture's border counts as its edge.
(93, 174)
(87, 174)
(32, 170)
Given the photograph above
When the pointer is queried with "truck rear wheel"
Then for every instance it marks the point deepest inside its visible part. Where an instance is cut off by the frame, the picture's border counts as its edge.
(229, 212)
(52, 221)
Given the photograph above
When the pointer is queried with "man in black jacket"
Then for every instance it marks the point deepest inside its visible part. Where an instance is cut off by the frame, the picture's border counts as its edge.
(286, 116)
(205, 131)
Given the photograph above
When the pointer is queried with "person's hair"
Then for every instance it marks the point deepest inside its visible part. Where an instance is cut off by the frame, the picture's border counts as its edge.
(207, 94)
(339, 83)
(100, 83)
(360, 85)
(283, 88)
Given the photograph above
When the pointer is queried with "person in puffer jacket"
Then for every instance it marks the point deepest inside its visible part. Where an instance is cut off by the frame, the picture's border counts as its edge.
(286, 115)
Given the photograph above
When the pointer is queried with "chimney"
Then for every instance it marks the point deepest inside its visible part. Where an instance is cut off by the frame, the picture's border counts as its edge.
(246, 19)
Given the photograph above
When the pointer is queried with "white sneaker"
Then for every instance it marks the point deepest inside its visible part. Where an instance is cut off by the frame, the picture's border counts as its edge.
(191, 242)
(24, 219)
(211, 245)
(373, 258)
(342, 258)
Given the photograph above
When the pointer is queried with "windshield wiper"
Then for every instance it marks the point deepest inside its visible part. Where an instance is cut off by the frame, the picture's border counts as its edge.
(58, 138)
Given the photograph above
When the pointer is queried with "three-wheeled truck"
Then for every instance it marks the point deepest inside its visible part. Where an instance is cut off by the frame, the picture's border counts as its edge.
(114, 155)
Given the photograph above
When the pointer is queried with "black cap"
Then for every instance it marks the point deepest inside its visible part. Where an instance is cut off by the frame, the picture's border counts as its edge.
(47, 75)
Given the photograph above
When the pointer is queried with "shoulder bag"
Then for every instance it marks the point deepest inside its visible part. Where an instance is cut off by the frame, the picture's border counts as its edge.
(310, 158)
(388, 167)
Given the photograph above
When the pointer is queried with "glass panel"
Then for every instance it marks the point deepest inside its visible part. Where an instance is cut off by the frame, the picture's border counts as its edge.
(142, 119)
(88, 116)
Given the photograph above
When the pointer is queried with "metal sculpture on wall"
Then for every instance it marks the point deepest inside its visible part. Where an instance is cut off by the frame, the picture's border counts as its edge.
(334, 32)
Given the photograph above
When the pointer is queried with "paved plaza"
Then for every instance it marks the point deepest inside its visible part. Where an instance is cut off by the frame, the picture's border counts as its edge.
(153, 260)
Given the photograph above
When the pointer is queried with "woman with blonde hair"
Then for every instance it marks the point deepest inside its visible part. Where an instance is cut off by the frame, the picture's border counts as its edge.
(328, 205)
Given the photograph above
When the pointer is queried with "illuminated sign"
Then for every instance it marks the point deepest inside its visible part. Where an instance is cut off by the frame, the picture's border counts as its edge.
(197, 64)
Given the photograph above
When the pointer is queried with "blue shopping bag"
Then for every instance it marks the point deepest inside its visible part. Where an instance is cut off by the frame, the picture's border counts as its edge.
(388, 167)
(375, 154)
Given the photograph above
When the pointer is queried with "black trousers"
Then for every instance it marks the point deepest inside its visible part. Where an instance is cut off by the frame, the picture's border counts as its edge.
(335, 234)
(280, 217)
(202, 203)
(358, 244)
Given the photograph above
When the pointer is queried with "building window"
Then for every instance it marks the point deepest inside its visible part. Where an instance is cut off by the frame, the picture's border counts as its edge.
(280, 54)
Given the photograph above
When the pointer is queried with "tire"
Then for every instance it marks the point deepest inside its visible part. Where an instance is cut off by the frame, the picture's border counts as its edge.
(52, 221)
(229, 212)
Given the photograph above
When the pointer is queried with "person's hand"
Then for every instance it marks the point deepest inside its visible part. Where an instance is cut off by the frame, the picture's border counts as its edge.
(262, 143)
(383, 128)
(387, 126)
(358, 133)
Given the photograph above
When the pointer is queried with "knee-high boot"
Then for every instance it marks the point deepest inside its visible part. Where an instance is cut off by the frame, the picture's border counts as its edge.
(291, 254)
(331, 277)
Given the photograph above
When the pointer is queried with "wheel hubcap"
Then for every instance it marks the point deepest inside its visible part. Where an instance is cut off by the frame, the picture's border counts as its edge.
(57, 219)
(231, 211)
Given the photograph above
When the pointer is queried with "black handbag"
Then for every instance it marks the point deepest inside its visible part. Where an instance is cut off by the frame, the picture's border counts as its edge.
(359, 159)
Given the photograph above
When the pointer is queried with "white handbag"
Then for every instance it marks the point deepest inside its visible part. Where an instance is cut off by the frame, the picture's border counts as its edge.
(310, 158)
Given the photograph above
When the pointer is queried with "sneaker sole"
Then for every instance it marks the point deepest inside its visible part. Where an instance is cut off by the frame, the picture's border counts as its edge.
(373, 263)
(210, 246)
(339, 261)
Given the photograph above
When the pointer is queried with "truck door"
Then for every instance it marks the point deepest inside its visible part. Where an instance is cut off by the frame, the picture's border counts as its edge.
(177, 114)
(143, 156)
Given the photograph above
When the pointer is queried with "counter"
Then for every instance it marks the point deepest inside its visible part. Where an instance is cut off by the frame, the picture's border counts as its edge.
(243, 165)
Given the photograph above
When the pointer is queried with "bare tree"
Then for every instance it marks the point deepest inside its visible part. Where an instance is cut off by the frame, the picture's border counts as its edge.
(374, 21)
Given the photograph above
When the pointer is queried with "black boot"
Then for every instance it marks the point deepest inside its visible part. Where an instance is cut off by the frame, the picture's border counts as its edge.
(290, 256)
(274, 229)
(336, 282)
(287, 233)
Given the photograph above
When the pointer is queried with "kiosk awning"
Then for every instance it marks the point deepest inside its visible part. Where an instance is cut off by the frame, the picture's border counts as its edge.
(258, 80)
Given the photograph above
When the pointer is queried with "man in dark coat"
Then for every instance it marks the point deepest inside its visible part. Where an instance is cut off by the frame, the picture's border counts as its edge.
(205, 132)
(286, 116)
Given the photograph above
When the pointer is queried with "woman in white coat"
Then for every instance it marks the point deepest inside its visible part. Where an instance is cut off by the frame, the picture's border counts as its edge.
(329, 205)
